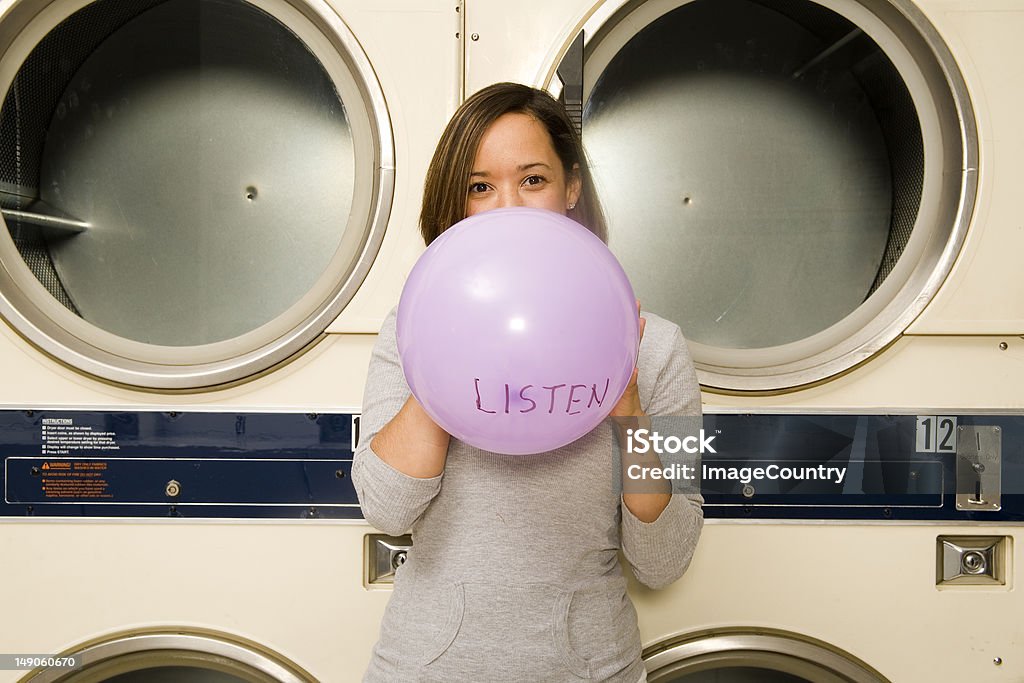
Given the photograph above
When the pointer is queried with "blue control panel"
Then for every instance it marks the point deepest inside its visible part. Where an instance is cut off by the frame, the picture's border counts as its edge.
(965, 467)
(177, 464)
(292, 465)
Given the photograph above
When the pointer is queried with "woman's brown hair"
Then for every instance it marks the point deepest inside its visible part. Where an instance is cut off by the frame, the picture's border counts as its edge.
(447, 183)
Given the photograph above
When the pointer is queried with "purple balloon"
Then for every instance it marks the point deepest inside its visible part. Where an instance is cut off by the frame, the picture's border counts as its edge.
(518, 331)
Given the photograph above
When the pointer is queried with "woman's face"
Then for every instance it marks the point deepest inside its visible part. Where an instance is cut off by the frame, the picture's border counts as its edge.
(516, 165)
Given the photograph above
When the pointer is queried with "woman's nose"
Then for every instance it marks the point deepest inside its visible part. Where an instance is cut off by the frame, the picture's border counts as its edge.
(509, 199)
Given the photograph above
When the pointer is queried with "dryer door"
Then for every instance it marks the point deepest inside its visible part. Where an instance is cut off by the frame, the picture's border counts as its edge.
(192, 189)
(170, 655)
(788, 180)
(753, 656)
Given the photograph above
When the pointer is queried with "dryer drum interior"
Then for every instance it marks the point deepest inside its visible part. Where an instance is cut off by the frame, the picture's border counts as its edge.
(787, 180)
(188, 184)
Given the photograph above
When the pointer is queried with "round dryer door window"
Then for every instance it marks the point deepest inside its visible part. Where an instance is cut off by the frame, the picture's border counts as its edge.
(192, 189)
(172, 655)
(753, 656)
(787, 180)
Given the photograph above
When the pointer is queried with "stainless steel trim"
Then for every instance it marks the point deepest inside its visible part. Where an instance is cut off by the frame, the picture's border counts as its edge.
(45, 220)
(167, 644)
(860, 410)
(383, 556)
(39, 213)
(762, 648)
(198, 521)
(356, 410)
(955, 555)
(184, 408)
(952, 523)
(989, 527)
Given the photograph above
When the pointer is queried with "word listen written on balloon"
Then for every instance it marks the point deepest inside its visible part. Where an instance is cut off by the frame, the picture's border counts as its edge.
(557, 391)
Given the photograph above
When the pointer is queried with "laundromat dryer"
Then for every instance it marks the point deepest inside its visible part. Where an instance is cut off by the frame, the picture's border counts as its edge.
(822, 195)
(209, 206)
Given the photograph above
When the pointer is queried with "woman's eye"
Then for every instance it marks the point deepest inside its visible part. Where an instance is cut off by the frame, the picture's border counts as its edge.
(478, 187)
(534, 180)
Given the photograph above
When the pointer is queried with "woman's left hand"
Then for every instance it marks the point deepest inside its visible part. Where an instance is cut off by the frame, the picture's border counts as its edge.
(629, 404)
(648, 503)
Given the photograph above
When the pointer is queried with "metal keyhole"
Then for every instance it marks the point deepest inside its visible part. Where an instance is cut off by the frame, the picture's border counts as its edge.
(974, 562)
(398, 559)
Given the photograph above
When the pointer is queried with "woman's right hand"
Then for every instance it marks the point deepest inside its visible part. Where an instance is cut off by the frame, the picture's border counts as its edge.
(412, 442)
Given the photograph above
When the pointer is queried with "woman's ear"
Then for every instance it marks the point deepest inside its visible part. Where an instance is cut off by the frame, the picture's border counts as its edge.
(573, 186)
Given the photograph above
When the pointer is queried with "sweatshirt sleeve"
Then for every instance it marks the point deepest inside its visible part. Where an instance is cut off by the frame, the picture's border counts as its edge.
(659, 552)
(391, 500)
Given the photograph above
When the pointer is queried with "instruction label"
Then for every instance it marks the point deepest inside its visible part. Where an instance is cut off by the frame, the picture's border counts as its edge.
(61, 436)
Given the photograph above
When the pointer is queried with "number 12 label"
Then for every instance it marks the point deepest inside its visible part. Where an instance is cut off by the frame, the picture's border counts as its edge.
(936, 434)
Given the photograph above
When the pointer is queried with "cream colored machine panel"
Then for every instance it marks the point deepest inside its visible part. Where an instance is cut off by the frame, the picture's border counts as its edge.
(915, 373)
(981, 296)
(293, 588)
(526, 53)
(868, 590)
(423, 83)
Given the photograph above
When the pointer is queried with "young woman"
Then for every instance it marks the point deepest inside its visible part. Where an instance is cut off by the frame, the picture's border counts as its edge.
(514, 573)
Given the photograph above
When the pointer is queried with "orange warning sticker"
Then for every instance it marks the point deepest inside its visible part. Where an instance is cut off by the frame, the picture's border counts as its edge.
(82, 479)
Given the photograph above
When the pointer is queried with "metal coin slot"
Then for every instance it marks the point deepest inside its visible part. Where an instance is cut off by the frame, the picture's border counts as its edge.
(978, 468)
(971, 560)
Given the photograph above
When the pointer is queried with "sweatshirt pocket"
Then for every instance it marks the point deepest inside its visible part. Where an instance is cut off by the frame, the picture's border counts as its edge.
(504, 633)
